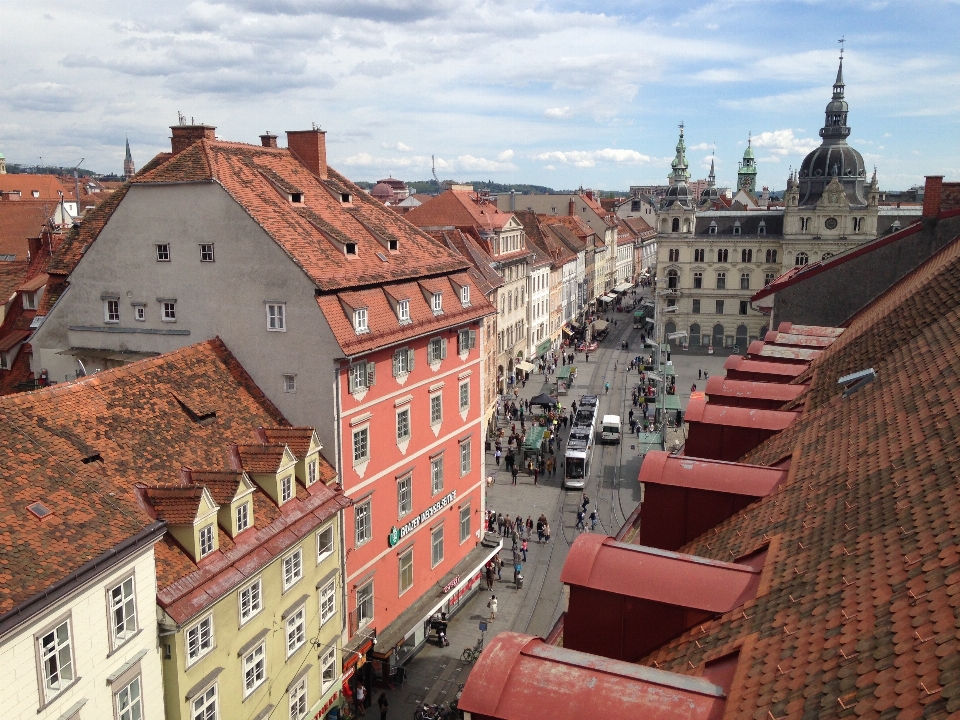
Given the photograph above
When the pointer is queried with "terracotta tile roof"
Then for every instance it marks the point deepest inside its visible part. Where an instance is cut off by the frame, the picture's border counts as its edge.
(20, 220)
(49, 187)
(82, 447)
(222, 484)
(70, 251)
(461, 209)
(573, 225)
(261, 458)
(545, 242)
(12, 275)
(470, 247)
(860, 615)
(177, 504)
(385, 328)
(313, 231)
(296, 438)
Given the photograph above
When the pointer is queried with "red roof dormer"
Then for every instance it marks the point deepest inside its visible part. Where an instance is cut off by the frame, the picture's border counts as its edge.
(626, 600)
(759, 350)
(741, 368)
(747, 394)
(719, 432)
(683, 497)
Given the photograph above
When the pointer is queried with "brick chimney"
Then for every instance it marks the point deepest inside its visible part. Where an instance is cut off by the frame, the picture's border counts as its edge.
(186, 135)
(268, 140)
(932, 192)
(310, 148)
(572, 208)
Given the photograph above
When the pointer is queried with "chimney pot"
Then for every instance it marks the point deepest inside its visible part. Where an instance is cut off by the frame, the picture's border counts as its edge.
(268, 140)
(310, 148)
(186, 135)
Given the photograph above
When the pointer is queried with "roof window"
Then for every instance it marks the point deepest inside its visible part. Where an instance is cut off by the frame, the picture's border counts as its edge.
(350, 248)
(360, 321)
(296, 197)
(39, 510)
(393, 244)
(437, 303)
(465, 295)
(346, 198)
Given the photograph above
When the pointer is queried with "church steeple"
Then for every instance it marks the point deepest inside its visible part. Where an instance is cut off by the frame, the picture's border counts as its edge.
(835, 129)
(747, 172)
(128, 169)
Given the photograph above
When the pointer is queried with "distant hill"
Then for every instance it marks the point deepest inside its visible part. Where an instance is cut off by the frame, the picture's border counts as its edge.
(430, 187)
(17, 169)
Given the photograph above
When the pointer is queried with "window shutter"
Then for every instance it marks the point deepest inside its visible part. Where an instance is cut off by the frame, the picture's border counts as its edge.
(351, 385)
(472, 334)
(410, 360)
(371, 374)
(396, 363)
(443, 348)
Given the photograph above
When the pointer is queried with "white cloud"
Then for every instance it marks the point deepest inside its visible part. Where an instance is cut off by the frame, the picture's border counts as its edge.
(701, 146)
(462, 163)
(783, 142)
(557, 112)
(589, 158)
(505, 156)
(549, 167)
(399, 146)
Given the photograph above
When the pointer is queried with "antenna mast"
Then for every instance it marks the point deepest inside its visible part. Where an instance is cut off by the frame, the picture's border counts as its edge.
(433, 169)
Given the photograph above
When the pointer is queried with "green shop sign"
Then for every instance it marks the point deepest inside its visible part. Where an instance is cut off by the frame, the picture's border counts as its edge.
(396, 535)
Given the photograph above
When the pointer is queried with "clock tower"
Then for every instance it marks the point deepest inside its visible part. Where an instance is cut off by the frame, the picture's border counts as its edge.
(747, 170)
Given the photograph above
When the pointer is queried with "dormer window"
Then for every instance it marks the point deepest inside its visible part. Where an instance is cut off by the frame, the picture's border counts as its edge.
(736, 228)
(762, 228)
(286, 489)
(206, 540)
(437, 303)
(296, 197)
(360, 320)
(403, 311)
(243, 517)
(713, 227)
(350, 248)
(346, 198)
(465, 295)
(30, 301)
(394, 245)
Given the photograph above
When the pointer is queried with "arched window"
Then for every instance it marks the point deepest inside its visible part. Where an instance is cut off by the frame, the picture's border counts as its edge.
(713, 227)
(673, 279)
(695, 334)
(801, 259)
(686, 226)
(717, 340)
(827, 255)
(676, 225)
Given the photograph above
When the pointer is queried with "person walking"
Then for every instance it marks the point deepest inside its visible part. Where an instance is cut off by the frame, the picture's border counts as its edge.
(699, 373)
(536, 474)
(492, 604)
(523, 550)
(529, 528)
(360, 700)
(515, 536)
(584, 501)
(580, 525)
(540, 530)
(384, 705)
(593, 520)
(496, 456)
(489, 576)
(513, 471)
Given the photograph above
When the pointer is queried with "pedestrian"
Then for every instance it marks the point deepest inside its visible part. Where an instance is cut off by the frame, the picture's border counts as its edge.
(580, 525)
(489, 576)
(529, 528)
(693, 388)
(540, 531)
(699, 373)
(513, 471)
(546, 531)
(523, 550)
(585, 501)
(536, 474)
(550, 465)
(360, 699)
(500, 524)
(593, 519)
(492, 604)
(496, 456)
(384, 705)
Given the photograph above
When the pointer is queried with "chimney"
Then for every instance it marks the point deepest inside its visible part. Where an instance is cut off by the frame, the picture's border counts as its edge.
(572, 207)
(186, 135)
(513, 200)
(34, 245)
(932, 192)
(268, 140)
(310, 148)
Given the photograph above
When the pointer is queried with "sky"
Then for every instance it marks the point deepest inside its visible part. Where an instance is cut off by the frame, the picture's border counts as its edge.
(559, 93)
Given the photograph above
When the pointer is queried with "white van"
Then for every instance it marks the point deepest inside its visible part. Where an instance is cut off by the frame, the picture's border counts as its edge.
(610, 429)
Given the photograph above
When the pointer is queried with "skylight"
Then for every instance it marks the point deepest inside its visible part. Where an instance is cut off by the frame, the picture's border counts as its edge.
(39, 509)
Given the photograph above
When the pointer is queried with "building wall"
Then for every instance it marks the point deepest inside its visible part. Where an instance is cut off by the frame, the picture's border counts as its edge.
(512, 327)
(375, 559)
(624, 266)
(94, 660)
(832, 296)
(230, 637)
(540, 308)
(226, 298)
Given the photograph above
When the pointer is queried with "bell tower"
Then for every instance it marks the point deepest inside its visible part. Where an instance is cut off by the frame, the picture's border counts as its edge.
(128, 169)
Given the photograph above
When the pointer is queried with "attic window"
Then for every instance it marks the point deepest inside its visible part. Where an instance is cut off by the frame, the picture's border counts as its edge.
(39, 510)
(437, 304)
(202, 417)
(394, 245)
(465, 295)
(736, 228)
(403, 311)
(713, 227)
(360, 320)
(762, 228)
(346, 198)
(382, 256)
(296, 197)
(350, 248)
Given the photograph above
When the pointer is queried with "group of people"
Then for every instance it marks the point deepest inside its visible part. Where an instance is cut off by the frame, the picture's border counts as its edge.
(582, 516)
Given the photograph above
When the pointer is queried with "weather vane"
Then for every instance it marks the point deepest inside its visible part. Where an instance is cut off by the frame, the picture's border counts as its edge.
(842, 40)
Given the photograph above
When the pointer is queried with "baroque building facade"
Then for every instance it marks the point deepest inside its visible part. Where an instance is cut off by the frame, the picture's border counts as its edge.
(714, 253)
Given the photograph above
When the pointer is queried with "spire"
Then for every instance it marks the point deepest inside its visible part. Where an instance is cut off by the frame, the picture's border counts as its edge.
(680, 172)
(712, 177)
(129, 170)
(129, 156)
(838, 84)
(835, 129)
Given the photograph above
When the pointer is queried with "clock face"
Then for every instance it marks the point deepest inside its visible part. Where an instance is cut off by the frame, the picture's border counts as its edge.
(830, 223)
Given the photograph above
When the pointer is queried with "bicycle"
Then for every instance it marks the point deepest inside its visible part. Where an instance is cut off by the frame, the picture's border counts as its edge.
(470, 655)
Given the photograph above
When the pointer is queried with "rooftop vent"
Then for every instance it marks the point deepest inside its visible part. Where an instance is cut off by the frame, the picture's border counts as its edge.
(39, 510)
(856, 381)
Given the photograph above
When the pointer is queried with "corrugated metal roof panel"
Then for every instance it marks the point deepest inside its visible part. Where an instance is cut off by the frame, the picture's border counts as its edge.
(740, 368)
(786, 327)
(759, 350)
(791, 340)
(719, 387)
(699, 410)
(688, 581)
(697, 473)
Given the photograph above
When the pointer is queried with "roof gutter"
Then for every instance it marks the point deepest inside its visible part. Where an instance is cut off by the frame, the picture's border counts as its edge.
(24, 611)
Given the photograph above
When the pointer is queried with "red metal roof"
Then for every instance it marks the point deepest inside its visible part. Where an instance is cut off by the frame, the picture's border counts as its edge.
(815, 330)
(603, 563)
(721, 387)
(520, 677)
(759, 350)
(15, 336)
(774, 337)
(662, 468)
(703, 412)
(740, 368)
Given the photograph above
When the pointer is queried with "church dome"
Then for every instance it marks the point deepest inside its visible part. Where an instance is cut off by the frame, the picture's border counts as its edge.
(381, 191)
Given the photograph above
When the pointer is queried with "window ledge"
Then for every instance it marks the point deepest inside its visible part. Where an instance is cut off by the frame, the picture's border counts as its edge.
(122, 644)
(46, 703)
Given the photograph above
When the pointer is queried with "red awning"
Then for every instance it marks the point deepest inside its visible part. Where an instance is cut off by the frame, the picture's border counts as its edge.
(689, 581)
(519, 677)
(663, 468)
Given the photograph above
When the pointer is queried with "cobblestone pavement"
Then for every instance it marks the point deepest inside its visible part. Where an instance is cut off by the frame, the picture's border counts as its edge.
(434, 674)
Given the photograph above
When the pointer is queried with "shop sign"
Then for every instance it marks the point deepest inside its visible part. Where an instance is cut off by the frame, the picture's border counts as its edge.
(452, 584)
(396, 535)
(327, 705)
